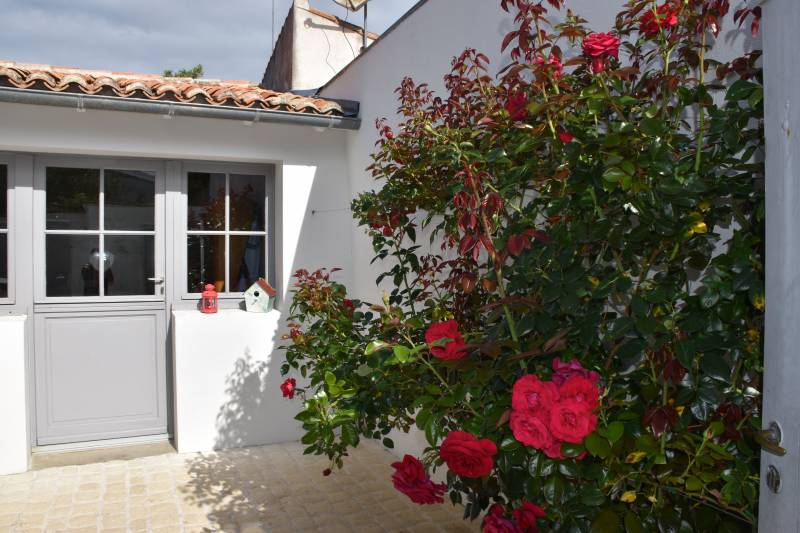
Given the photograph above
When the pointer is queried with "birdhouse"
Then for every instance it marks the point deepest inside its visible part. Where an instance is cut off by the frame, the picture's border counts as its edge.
(209, 302)
(259, 297)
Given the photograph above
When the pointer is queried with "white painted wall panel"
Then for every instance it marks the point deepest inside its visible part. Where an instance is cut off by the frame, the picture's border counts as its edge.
(227, 382)
(13, 417)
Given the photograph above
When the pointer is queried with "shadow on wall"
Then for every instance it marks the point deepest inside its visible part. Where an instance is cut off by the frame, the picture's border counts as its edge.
(245, 416)
(237, 486)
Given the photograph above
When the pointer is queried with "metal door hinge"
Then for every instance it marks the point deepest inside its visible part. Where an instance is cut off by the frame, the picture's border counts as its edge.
(770, 439)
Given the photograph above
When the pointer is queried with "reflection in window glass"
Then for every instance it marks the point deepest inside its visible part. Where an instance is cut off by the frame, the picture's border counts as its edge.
(3, 231)
(205, 256)
(206, 201)
(248, 195)
(72, 265)
(129, 262)
(73, 196)
(129, 197)
(247, 256)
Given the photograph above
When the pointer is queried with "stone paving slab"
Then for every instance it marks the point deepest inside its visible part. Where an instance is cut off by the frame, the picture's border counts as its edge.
(266, 489)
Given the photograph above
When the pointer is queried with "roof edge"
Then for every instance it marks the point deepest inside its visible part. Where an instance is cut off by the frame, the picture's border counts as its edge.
(380, 39)
(81, 102)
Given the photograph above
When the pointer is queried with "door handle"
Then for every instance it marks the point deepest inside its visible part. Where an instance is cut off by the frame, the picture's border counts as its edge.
(770, 439)
(156, 280)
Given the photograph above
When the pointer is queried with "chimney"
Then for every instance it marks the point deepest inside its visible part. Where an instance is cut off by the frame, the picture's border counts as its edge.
(313, 46)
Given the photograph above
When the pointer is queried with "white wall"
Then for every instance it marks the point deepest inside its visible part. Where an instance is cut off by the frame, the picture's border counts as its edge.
(312, 170)
(13, 419)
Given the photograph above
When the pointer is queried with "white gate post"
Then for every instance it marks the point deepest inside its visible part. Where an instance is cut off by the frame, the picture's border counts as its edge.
(780, 512)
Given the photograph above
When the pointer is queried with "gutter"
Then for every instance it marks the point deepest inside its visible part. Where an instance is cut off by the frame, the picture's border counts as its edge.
(81, 102)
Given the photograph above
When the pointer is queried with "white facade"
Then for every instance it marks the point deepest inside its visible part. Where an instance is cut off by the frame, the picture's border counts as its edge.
(311, 227)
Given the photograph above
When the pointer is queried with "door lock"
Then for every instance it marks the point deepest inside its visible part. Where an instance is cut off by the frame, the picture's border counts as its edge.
(157, 280)
(770, 439)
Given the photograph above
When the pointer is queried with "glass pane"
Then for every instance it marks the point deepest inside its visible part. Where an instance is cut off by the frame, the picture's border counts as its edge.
(73, 195)
(3, 265)
(3, 196)
(247, 261)
(129, 262)
(130, 200)
(206, 201)
(72, 265)
(248, 196)
(206, 262)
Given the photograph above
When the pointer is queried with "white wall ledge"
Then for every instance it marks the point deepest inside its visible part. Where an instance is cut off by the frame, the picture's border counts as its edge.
(226, 381)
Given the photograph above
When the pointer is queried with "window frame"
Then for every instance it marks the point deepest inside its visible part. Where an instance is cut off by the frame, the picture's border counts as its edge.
(40, 230)
(269, 171)
(9, 162)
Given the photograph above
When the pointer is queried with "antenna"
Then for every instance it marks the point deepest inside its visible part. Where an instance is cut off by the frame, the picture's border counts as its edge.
(355, 5)
(273, 27)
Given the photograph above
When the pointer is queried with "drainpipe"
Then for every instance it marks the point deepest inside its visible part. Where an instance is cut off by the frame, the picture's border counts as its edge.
(364, 42)
(82, 102)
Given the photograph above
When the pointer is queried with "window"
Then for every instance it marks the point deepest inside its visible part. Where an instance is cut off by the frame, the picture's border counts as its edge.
(99, 232)
(3, 231)
(227, 230)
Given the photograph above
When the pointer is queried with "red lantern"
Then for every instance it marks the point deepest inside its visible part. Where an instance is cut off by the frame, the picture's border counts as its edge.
(209, 302)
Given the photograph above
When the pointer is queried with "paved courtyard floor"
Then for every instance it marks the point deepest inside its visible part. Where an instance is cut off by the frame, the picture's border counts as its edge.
(252, 490)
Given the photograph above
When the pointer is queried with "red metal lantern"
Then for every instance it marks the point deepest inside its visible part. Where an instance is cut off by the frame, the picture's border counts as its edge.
(208, 304)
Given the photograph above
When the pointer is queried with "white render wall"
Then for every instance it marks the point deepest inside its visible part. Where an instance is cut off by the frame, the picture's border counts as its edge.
(311, 176)
(226, 392)
(13, 419)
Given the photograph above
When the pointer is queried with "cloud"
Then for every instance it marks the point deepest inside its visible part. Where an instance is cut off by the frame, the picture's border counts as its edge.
(231, 39)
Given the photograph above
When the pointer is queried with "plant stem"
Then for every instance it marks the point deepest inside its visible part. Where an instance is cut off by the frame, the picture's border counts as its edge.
(702, 117)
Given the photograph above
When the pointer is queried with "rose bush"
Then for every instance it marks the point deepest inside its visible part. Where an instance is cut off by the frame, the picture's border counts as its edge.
(581, 342)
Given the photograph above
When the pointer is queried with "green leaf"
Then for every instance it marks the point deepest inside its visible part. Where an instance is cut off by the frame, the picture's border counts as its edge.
(375, 346)
(693, 484)
(597, 446)
(613, 432)
(633, 524)
(715, 366)
(592, 496)
(330, 378)
(389, 443)
(606, 522)
(402, 353)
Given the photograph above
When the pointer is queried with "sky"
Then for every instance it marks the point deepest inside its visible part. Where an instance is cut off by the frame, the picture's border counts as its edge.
(230, 38)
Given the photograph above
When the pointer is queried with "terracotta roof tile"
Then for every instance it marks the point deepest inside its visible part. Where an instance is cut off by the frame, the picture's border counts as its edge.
(236, 93)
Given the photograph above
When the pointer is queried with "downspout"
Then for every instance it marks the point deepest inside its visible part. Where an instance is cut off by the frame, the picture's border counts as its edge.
(174, 109)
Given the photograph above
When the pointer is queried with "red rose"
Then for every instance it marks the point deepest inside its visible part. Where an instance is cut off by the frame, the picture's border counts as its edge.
(467, 456)
(570, 421)
(563, 371)
(552, 62)
(411, 479)
(598, 47)
(516, 106)
(565, 136)
(533, 395)
(526, 517)
(665, 17)
(327, 472)
(554, 450)
(454, 348)
(496, 522)
(582, 391)
(530, 430)
(387, 231)
(287, 388)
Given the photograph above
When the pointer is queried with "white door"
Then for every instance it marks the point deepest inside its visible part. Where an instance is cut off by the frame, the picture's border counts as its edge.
(99, 309)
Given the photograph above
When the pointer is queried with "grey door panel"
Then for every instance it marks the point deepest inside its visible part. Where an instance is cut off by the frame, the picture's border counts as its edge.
(100, 375)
